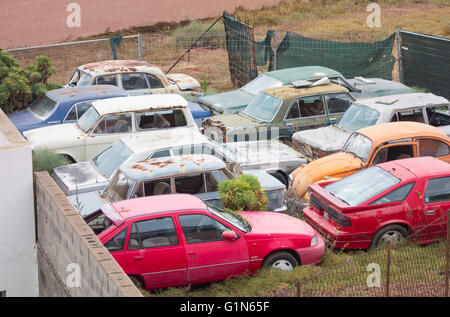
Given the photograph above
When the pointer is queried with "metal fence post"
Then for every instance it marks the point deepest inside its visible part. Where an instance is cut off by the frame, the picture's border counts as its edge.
(388, 268)
(399, 57)
(447, 254)
(140, 46)
(274, 50)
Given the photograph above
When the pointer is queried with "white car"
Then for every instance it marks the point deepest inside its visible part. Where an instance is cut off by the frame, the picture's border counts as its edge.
(419, 107)
(109, 120)
(137, 78)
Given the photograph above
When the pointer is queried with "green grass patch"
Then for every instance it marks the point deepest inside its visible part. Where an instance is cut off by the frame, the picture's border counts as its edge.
(46, 160)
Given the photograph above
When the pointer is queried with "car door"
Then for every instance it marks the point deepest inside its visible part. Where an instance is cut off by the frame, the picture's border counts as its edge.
(156, 253)
(436, 202)
(336, 105)
(209, 191)
(115, 244)
(394, 151)
(304, 113)
(108, 129)
(209, 256)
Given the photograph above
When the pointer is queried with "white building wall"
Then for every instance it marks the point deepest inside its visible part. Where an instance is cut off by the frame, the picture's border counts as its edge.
(18, 261)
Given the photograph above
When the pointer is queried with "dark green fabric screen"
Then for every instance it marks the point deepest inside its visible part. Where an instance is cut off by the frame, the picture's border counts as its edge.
(426, 62)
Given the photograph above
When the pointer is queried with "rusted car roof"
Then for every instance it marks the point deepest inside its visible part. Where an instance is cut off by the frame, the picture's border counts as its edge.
(118, 66)
(289, 92)
(399, 130)
(170, 166)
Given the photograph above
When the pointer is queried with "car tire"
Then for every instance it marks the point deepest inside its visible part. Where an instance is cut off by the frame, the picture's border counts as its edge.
(281, 178)
(281, 260)
(393, 233)
(137, 281)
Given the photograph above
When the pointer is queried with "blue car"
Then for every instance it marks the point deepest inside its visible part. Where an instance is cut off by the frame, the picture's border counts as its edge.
(63, 105)
(198, 113)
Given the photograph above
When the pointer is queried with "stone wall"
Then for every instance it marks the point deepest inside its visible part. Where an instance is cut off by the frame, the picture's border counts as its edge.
(67, 246)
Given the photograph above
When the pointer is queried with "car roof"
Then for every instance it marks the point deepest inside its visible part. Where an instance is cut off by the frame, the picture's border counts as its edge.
(173, 165)
(384, 132)
(418, 166)
(157, 204)
(290, 92)
(403, 101)
(158, 139)
(119, 66)
(156, 102)
(288, 75)
(82, 93)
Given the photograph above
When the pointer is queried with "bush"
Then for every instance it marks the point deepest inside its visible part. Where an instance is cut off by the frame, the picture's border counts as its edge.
(243, 193)
(186, 36)
(46, 160)
(19, 87)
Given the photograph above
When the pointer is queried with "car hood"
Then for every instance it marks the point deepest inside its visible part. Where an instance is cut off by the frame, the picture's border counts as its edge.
(79, 177)
(261, 153)
(197, 111)
(53, 134)
(378, 87)
(267, 181)
(24, 120)
(328, 166)
(88, 203)
(183, 81)
(276, 224)
(329, 139)
(231, 121)
(227, 102)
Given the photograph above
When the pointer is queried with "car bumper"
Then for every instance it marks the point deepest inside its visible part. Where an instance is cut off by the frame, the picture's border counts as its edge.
(314, 254)
(283, 208)
(328, 231)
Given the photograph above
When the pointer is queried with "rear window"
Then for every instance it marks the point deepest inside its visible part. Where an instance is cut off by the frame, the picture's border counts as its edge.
(43, 107)
(360, 187)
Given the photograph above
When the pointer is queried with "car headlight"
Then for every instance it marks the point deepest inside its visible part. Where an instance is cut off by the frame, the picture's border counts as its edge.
(314, 241)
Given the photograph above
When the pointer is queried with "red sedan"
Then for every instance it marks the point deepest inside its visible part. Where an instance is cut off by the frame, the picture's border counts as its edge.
(173, 240)
(383, 203)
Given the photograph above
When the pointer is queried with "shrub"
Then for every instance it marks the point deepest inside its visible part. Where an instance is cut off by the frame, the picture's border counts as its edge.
(186, 36)
(46, 160)
(243, 193)
(19, 87)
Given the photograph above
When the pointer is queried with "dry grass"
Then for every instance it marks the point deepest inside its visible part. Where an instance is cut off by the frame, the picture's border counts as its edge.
(343, 20)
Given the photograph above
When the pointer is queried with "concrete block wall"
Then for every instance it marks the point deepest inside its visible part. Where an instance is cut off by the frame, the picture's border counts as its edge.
(65, 243)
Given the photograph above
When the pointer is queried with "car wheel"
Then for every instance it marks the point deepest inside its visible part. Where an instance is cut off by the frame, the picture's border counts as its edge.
(137, 281)
(390, 233)
(281, 178)
(281, 260)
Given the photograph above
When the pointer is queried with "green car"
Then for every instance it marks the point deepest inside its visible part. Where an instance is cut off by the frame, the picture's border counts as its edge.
(237, 100)
(277, 113)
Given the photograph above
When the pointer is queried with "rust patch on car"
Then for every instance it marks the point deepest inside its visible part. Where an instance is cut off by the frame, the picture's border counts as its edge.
(117, 66)
(103, 197)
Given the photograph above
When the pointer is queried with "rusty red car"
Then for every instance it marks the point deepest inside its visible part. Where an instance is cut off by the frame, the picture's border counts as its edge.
(163, 242)
(384, 203)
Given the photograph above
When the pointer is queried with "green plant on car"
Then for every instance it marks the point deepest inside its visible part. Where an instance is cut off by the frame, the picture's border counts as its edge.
(243, 193)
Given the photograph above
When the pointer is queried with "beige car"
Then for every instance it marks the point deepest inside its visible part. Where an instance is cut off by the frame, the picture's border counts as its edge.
(108, 120)
(137, 78)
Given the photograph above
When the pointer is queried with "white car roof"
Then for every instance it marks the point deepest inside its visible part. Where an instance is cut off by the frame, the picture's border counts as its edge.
(154, 102)
(402, 101)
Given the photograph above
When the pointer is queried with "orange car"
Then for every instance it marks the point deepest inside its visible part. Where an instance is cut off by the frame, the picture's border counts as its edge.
(370, 146)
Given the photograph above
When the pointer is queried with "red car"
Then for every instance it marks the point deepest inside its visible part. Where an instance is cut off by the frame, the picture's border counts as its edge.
(173, 240)
(383, 203)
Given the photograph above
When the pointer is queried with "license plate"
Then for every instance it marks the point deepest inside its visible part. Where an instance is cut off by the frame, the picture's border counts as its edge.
(325, 215)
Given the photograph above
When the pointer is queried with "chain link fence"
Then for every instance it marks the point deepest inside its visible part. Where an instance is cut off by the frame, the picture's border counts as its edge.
(411, 267)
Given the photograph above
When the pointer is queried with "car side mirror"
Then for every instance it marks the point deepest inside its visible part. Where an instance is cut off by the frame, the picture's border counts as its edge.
(229, 235)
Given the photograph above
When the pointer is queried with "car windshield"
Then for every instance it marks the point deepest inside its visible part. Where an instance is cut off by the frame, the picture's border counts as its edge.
(359, 145)
(360, 187)
(84, 80)
(88, 119)
(231, 218)
(357, 117)
(112, 157)
(119, 188)
(261, 82)
(263, 107)
(98, 222)
(43, 107)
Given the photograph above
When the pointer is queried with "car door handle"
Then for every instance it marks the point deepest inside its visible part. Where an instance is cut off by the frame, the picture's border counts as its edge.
(192, 255)
(332, 119)
(431, 212)
(138, 258)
